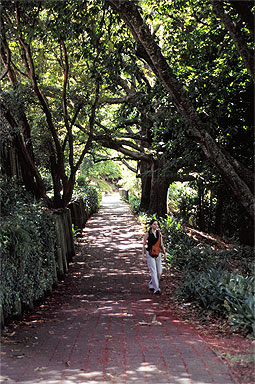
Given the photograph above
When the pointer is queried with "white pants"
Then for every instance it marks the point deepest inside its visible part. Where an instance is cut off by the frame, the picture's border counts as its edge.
(155, 268)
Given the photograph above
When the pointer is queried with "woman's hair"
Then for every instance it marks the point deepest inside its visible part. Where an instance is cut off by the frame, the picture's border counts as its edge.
(152, 221)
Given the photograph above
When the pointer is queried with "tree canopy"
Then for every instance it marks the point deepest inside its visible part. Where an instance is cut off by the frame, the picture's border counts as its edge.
(168, 84)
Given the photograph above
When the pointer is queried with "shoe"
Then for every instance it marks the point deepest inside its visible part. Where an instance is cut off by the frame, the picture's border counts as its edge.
(151, 289)
(158, 292)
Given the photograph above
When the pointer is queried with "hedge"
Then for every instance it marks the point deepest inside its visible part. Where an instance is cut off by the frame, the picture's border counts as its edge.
(36, 246)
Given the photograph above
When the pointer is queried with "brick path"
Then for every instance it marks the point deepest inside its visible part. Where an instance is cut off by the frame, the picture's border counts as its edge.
(103, 326)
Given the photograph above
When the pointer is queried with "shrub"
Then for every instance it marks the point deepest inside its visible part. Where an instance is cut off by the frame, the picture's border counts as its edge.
(209, 278)
(27, 236)
(183, 251)
(203, 289)
(134, 203)
(224, 293)
(28, 244)
(240, 302)
(239, 259)
(12, 197)
(81, 181)
(91, 196)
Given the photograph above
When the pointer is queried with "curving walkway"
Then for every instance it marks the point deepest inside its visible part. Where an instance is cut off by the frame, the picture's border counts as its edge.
(103, 326)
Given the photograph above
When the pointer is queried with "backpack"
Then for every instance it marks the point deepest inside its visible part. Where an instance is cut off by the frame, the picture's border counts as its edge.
(155, 249)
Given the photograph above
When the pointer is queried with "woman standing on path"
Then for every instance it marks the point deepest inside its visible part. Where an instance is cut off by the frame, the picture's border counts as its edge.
(153, 239)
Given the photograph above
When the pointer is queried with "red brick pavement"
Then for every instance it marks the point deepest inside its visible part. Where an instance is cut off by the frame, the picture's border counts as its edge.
(103, 326)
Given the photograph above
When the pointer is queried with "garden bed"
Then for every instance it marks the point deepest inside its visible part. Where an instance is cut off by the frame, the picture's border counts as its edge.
(235, 347)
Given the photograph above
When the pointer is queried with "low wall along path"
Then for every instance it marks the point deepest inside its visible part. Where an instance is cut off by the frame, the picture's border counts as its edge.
(102, 325)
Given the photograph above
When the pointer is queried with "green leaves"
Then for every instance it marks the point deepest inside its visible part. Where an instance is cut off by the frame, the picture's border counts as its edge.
(240, 302)
(90, 195)
(27, 237)
(227, 294)
(212, 280)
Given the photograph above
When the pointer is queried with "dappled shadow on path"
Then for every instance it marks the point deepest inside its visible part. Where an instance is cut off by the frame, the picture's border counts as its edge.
(111, 244)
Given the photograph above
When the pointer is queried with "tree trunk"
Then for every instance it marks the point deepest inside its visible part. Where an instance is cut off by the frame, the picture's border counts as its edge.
(159, 190)
(68, 190)
(158, 198)
(31, 177)
(210, 213)
(244, 10)
(218, 225)
(201, 217)
(194, 126)
(145, 169)
(23, 142)
(235, 32)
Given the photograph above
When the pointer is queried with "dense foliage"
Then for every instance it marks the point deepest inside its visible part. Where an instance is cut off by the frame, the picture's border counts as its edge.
(207, 205)
(216, 281)
(227, 294)
(167, 85)
(80, 80)
(28, 242)
(90, 195)
(28, 246)
(211, 279)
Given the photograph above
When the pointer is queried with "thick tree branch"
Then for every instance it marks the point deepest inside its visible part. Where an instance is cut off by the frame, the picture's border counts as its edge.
(65, 63)
(120, 141)
(120, 146)
(19, 71)
(113, 100)
(129, 166)
(91, 128)
(244, 10)
(23, 152)
(117, 158)
(30, 70)
(5, 57)
(26, 129)
(129, 135)
(195, 127)
(6, 61)
(72, 123)
(236, 34)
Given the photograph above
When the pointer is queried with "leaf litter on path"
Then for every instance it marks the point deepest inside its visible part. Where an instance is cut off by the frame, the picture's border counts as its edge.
(153, 322)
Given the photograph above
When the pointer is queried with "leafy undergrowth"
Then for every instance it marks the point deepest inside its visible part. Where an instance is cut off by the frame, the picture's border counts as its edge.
(235, 348)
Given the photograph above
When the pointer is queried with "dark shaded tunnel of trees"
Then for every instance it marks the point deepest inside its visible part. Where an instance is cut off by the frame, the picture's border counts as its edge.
(164, 87)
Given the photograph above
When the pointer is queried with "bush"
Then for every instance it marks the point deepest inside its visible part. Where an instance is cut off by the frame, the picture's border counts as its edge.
(183, 252)
(208, 278)
(91, 196)
(203, 289)
(81, 181)
(27, 238)
(240, 302)
(12, 197)
(224, 293)
(134, 203)
(239, 259)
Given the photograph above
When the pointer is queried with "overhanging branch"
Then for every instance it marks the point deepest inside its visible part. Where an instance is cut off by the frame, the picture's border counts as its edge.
(129, 166)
